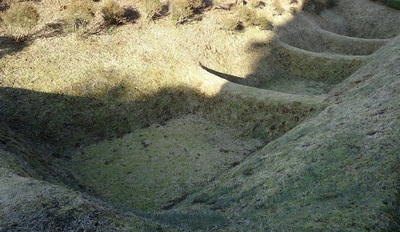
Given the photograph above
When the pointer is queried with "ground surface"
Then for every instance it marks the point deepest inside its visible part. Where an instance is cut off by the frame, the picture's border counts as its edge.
(158, 127)
(151, 167)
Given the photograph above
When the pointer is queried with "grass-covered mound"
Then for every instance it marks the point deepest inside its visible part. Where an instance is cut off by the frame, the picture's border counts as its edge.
(338, 170)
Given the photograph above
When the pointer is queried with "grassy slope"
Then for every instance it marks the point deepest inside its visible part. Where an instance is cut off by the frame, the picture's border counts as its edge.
(31, 199)
(338, 170)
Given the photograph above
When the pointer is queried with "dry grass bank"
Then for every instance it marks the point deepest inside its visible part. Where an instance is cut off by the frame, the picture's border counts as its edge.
(157, 122)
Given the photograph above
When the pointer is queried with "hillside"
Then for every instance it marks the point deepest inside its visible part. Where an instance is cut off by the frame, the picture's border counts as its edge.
(268, 116)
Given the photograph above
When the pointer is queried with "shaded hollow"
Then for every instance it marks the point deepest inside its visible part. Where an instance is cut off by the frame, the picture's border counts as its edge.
(360, 18)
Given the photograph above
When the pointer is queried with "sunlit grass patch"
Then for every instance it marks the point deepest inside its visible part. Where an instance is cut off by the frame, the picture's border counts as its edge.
(20, 20)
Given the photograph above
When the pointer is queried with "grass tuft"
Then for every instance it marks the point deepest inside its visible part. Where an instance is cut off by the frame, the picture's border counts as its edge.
(278, 7)
(19, 21)
(79, 13)
(153, 9)
(243, 17)
(112, 13)
(183, 10)
(231, 24)
(263, 23)
(247, 15)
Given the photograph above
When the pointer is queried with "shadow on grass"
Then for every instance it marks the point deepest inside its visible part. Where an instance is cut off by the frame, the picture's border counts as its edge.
(287, 63)
(59, 120)
(65, 120)
(249, 81)
(8, 46)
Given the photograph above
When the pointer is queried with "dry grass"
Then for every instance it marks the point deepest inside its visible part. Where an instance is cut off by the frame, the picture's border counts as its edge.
(78, 13)
(113, 68)
(112, 12)
(54, 68)
(20, 19)
(241, 17)
(152, 9)
(184, 10)
(178, 155)
(278, 7)
(72, 91)
(110, 69)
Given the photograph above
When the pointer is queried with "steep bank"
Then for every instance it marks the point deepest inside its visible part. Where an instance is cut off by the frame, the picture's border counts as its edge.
(338, 170)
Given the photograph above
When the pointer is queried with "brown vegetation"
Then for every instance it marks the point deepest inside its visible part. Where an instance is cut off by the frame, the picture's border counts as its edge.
(20, 19)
